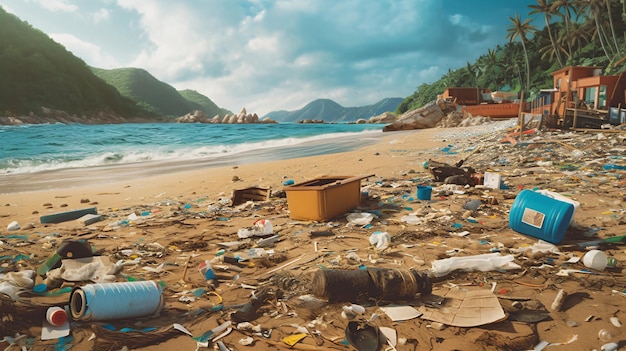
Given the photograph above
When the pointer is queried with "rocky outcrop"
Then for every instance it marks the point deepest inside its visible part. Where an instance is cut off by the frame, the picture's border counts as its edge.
(425, 117)
(386, 117)
(312, 121)
(51, 116)
(242, 118)
(196, 116)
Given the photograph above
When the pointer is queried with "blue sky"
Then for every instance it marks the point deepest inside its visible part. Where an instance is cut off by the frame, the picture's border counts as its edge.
(268, 55)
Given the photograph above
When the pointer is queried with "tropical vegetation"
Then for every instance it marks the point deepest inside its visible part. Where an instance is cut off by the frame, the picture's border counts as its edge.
(38, 72)
(576, 33)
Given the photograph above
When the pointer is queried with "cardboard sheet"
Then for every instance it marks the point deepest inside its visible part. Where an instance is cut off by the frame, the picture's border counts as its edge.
(464, 307)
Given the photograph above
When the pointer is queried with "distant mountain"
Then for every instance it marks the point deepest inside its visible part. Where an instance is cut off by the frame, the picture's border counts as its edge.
(155, 95)
(330, 111)
(38, 74)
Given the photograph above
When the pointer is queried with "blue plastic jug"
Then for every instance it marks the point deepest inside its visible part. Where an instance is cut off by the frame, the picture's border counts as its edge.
(540, 216)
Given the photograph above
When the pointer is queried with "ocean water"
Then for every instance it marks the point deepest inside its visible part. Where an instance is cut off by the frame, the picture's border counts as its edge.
(49, 149)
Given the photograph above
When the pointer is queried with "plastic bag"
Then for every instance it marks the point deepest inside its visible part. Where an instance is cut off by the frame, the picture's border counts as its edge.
(380, 239)
(360, 219)
(485, 262)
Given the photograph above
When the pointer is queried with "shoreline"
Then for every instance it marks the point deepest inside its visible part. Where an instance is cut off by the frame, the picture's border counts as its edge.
(78, 177)
(139, 183)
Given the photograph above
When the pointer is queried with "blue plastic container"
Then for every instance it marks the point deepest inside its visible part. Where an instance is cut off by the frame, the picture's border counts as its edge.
(540, 216)
(424, 192)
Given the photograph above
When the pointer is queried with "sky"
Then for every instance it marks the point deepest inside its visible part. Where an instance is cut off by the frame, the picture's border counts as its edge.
(268, 55)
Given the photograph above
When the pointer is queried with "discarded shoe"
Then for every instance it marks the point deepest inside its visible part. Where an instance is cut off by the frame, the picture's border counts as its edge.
(363, 337)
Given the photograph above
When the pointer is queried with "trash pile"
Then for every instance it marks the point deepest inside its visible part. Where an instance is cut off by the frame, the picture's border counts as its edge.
(495, 242)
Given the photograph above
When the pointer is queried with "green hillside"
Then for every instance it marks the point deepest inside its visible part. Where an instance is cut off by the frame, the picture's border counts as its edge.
(330, 111)
(38, 72)
(204, 103)
(576, 33)
(155, 95)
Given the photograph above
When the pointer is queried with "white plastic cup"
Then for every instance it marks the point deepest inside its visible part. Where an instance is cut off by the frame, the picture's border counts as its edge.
(13, 226)
(56, 316)
(595, 259)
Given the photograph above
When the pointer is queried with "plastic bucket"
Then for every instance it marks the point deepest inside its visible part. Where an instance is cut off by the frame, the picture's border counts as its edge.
(424, 192)
(540, 216)
(96, 302)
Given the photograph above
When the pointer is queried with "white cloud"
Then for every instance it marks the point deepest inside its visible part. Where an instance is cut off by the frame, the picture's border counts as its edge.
(267, 44)
(57, 5)
(88, 52)
(180, 40)
(101, 15)
(456, 19)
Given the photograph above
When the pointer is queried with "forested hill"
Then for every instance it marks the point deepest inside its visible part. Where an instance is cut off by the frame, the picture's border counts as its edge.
(39, 73)
(157, 96)
(330, 111)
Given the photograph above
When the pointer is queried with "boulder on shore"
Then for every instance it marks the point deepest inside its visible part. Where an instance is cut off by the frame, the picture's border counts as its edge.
(425, 117)
(242, 118)
(385, 117)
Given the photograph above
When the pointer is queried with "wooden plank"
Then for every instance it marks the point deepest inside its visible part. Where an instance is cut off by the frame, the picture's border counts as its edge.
(67, 215)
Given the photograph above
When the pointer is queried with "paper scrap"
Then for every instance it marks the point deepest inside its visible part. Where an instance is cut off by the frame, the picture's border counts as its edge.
(49, 331)
(401, 313)
(182, 329)
(492, 180)
(390, 334)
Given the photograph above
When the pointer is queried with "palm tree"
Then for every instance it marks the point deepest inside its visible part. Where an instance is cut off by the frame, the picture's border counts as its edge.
(564, 8)
(579, 36)
(494, 66)
(608, 9)
(547, 52)
(594, 10)
(473, 73)
(447, 80)
(520, 30)
(545, 7)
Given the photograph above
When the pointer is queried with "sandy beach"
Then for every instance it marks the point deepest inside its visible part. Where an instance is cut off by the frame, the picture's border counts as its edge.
(185, 217)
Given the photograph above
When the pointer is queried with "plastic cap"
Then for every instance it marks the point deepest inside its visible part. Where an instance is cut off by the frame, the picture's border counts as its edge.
(56, 316)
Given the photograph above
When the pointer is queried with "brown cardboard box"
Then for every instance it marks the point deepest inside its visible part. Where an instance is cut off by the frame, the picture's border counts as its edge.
(324, 197)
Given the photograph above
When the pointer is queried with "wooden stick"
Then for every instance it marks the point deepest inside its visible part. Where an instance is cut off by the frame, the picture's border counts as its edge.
(186, 267)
